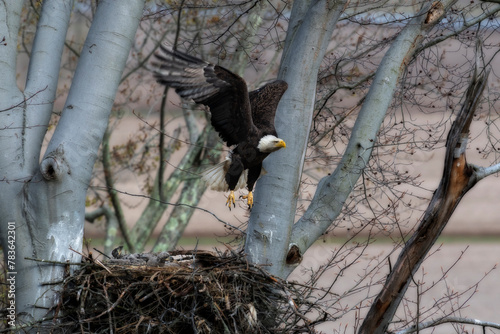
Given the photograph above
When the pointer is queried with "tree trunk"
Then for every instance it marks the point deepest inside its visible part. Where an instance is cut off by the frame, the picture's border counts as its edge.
(206, 147)
(458, 178)
(334, 189)
(309, 32)
(46, 201)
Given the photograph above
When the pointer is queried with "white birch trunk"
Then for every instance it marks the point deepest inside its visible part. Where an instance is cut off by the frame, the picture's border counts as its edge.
(334, 189)
(309, 32)
(271, 232)
(46, 200)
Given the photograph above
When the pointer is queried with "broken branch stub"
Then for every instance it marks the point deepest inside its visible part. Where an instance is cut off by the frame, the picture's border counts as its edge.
(458, 177)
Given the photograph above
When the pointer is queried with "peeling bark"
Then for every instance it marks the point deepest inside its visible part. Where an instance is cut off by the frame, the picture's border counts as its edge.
(458, 177)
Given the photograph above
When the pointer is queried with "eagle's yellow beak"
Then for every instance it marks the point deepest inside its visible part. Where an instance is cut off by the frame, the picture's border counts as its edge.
(281, 144)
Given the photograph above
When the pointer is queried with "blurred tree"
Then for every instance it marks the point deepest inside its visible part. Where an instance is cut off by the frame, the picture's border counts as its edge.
(173, 24)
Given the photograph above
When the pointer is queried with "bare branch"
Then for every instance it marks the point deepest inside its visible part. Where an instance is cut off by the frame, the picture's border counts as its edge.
(333, 190)
(458, 178)
(108, 177)
(25, 100)
(182, 204)
(482, 172)
(446, 320)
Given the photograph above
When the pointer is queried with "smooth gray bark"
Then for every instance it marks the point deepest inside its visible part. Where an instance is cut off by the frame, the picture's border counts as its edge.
(271, 231)
(22, 130)
(334, 189)
(47, 200)
(309, 32)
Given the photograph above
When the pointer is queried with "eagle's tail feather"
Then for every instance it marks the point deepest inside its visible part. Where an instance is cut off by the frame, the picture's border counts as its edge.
(216, 177)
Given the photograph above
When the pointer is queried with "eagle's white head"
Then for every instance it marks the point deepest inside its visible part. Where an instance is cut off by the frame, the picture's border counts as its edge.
(270, 143)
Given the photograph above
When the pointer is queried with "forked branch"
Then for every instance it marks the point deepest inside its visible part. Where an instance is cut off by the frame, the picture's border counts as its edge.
(458, 177)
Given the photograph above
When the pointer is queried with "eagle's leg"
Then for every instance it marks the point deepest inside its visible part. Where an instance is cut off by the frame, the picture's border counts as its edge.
(253, 175)
(232, 178)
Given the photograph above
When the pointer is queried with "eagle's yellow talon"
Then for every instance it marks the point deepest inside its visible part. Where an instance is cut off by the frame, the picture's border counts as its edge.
(231, 200)
(249, 199)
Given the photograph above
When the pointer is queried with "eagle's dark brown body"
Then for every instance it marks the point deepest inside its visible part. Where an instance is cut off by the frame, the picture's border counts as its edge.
(241, 118)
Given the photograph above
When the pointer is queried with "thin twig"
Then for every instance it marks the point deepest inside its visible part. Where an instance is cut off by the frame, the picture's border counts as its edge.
(445, 320)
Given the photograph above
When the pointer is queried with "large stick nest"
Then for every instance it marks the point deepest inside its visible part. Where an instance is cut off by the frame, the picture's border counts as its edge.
(178, 292)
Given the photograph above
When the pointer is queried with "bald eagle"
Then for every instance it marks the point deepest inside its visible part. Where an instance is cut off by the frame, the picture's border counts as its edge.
(242, 119)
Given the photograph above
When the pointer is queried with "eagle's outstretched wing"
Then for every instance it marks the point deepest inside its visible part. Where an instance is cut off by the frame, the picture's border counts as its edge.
(264, 102)
(224, 92)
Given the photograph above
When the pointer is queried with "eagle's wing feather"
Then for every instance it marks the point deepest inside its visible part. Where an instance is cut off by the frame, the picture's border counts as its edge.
(224, 92)
(264, 102)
